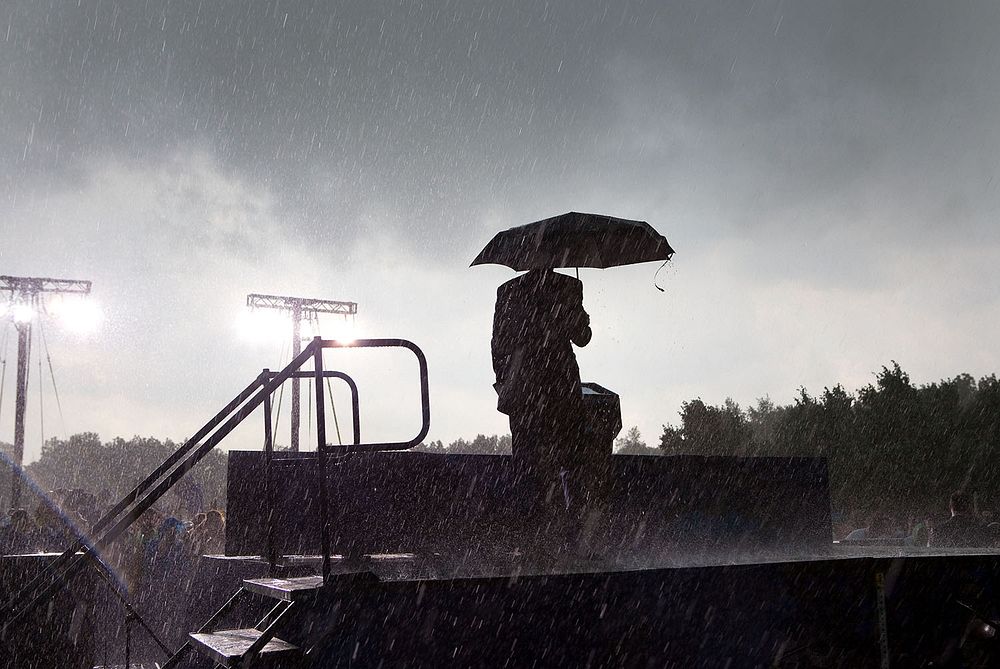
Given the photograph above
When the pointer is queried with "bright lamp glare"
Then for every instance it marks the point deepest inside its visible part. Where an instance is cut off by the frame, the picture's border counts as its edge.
(80, 316)
(22, 313)
(344, 332)
(263, 326)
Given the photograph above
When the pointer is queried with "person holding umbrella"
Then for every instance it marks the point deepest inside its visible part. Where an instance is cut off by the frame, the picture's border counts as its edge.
(539, 317)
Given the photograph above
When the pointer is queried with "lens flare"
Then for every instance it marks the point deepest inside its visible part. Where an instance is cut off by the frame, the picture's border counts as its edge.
(35, 497)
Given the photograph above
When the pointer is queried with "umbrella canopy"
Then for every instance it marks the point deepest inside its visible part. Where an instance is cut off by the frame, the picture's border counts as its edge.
(575, 240)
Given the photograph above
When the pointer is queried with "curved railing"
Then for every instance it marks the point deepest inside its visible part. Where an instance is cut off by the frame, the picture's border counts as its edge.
(323, 448)
(327, 374)
(317, 346)
(425, 410)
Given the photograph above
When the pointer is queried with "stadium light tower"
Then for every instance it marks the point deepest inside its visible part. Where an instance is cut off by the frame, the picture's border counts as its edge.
(300, 308)
(24, 305)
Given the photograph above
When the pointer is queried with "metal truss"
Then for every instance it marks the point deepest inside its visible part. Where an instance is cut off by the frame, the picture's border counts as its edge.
(301, 304)
(29, 285)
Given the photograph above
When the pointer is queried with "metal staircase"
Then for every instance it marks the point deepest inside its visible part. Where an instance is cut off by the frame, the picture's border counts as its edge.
(289, 601)
(259, 644)
(234, 647)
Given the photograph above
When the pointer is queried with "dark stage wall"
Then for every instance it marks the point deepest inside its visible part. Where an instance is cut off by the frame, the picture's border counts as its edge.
(784, 615)
(657, 507)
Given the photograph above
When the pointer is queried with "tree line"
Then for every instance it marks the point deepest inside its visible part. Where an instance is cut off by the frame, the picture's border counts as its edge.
(892, 446)
(482, 445)
(111, 469)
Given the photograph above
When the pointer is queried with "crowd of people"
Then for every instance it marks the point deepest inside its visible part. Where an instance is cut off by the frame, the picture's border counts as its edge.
(156, 559)
(156, 538)
(964, 527)
(163, 539)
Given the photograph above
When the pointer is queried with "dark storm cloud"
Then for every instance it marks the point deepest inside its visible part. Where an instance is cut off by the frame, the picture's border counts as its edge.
(436, 110)
(829, 134)
(822, 93)
(425, 109)
(826, 170)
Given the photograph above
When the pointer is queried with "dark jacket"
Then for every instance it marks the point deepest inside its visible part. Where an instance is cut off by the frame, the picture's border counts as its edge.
(539, 316)
(961, 531)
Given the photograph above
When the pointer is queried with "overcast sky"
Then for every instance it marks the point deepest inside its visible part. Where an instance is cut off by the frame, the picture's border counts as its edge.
(827, 172)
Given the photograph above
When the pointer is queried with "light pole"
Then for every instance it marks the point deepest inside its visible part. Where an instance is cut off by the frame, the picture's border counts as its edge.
(299, 307)
(25, 296)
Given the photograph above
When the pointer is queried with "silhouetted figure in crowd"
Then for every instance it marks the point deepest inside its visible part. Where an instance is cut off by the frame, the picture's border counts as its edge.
(167, 581)
(994, 531)
(920, 535)
(166, 549)
(17, 537)
(209, 536)
(80, 508)
(880, 527)
(964, 529)
(51, 533)
(136, 546)
(539, 316)
(196, 523)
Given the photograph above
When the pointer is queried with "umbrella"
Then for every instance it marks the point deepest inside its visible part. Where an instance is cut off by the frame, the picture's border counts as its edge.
(576, 240)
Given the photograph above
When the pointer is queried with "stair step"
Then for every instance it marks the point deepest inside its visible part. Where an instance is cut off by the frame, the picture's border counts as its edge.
(285, 589)
(226, 647)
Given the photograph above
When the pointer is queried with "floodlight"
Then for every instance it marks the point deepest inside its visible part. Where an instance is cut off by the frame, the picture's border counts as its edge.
(302, 309)
(24, 301)
(22, 313)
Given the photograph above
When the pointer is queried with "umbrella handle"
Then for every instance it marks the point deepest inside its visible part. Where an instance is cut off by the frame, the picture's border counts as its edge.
(656, 285)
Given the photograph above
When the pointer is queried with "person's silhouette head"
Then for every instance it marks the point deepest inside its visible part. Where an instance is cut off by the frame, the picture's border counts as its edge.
(961, 503)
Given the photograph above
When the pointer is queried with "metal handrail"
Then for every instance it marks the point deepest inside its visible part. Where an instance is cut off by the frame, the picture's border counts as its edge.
(425, 410)
(131, 497)
(351, 384)
(272, 557)
(258, 390)
(144, 495)
(322, 448)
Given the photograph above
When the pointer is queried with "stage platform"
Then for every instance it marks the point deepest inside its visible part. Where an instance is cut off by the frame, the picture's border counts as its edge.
(653, 511)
